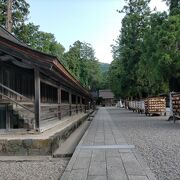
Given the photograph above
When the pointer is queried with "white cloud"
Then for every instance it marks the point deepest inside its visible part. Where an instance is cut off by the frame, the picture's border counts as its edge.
(103, 47)
(159, 4)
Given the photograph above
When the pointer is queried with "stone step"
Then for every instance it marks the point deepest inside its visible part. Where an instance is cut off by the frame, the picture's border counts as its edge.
(48, 123)
(27, 115)
(91, 115)
(14, 106)
(67, 148)
(50, 119)
(24, 115)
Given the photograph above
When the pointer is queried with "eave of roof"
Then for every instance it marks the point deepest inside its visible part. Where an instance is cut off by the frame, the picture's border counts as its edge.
(63, 70)
(4, 33)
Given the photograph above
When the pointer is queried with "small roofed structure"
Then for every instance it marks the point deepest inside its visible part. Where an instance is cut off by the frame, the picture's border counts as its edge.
(107, 97)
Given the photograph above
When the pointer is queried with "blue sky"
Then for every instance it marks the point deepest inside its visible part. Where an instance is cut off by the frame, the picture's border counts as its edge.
(92, 21)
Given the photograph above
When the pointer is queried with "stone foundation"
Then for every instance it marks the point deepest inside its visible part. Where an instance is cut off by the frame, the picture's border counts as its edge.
(37, 146)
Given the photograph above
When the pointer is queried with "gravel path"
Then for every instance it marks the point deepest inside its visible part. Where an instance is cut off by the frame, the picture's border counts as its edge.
(157, 140)
(47, 169)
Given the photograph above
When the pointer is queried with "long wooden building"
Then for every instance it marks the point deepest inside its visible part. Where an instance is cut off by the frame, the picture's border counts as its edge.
(35, 88)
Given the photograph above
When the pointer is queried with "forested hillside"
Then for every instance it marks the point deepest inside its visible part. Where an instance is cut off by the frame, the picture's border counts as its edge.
(104, 67)
(82, 63)
(147, 52)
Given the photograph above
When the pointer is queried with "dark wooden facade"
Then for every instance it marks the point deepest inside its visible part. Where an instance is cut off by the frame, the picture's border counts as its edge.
(18, 79)
(36, 83)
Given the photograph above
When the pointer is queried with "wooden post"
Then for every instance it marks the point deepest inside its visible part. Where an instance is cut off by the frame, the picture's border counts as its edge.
(7, 118)
(70, 103)
(85, 105)
(59, 102)
(81, 103)
(37, 98)
(76, 104)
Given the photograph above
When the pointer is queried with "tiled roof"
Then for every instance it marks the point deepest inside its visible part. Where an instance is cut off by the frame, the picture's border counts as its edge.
(106, 94)
(5, 34)
(11, 45)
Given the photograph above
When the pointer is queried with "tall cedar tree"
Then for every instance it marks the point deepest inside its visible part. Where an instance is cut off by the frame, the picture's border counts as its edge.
(128, 48)
(146, 58)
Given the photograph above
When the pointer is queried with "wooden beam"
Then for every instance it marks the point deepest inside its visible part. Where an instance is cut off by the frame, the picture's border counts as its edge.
(76, 103)
(81, 102)
(14, 92)
(59, 102)
(7, 118)
(37, 99)
(86, 104)
(64, 88)
(6, 57)
(25, 58)
(21, 64)
(1, 53)
(70, 102)
(59, 95)
(49, 83)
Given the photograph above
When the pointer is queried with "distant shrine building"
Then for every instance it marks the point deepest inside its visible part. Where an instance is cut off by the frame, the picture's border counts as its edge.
(107, 97)
(35, 88)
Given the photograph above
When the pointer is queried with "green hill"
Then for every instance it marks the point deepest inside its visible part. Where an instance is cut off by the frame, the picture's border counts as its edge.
(104, 67)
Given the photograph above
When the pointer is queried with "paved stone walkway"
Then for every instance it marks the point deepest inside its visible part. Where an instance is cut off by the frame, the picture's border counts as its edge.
(103, 154)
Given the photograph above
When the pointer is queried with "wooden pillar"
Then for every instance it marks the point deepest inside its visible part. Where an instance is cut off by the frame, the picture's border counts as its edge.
(1, 80)
(76, 104)
(37, 106)
(59, 102)
(89, 104)
(81, 103)
(7, 118)
(85, 105)
(70, 103)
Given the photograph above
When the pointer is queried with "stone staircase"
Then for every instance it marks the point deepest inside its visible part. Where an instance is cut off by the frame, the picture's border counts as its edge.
(21, 118)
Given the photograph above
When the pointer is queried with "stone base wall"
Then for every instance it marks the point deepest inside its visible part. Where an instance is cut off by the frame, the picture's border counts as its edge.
(27, 147)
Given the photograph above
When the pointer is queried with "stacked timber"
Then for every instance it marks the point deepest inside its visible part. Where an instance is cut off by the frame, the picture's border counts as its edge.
(176, 104)
(155, 105)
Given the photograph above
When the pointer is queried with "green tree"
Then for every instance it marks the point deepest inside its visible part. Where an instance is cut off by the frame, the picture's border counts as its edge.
(116, 76)
(127, 51)
(20, 11)
(149, 74)
(71, 59)
(160, 58)
(174, 6)
(146, 58)
(38, 40)
(169, 51)
(81, 61)
(29, 33)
